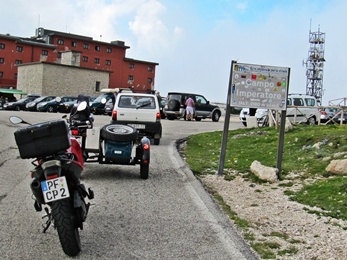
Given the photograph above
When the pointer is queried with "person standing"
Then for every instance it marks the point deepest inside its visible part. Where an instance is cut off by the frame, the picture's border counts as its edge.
(189, 108)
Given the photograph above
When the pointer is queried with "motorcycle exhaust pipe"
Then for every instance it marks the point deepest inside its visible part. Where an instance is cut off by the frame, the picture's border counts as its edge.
(35, 186)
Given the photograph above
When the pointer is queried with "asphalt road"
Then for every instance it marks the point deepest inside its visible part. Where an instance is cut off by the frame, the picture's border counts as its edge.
(167, 216)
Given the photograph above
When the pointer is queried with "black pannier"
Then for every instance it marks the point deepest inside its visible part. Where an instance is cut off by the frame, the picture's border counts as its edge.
(42, 139)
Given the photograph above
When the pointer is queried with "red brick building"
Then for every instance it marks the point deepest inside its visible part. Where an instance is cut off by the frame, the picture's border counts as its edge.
(48, 46)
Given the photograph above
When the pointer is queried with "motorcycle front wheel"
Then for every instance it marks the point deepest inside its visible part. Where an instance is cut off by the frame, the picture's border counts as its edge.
(63, 217)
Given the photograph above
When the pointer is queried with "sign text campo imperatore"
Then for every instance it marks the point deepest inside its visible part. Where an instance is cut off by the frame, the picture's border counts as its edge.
(259, 86)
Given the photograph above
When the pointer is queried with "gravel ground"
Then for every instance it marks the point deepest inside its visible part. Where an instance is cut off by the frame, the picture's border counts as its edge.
(270, 212)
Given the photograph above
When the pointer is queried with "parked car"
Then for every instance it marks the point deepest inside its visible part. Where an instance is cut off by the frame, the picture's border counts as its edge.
(301, 108)
(175, 107)
(109, 107)
(140, 111)
(52, 105)
(340, 115)
(32, 106)
(98, 105)
(260, 114)
(20, 104)
(65, 107)
(327, 114)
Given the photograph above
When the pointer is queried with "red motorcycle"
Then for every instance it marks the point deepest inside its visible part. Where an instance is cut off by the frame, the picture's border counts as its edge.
(56, 178)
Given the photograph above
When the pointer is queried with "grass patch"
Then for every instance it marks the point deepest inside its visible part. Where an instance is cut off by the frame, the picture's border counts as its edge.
(300, 155)
(328, 194)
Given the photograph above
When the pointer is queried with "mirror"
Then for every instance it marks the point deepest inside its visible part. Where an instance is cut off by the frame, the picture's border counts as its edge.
(15, 120)
(82, 106)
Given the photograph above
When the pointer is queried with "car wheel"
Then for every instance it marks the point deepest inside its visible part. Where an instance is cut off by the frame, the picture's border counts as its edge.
(311, 121)
(215, 116)
(173, 105)
(156, 141)
(17, 108)
(50, 109)
(171, 117)
(118, 133)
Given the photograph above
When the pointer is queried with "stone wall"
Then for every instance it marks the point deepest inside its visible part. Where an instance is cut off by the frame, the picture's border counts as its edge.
(60, 80)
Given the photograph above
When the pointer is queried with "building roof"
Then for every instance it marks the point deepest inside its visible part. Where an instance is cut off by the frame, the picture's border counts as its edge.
(140, 61)
(41, 32)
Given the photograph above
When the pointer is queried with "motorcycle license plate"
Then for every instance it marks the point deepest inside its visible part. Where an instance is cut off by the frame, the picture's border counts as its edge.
(55, 189)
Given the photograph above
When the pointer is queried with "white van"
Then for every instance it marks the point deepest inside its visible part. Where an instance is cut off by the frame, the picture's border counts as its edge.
(301, 108)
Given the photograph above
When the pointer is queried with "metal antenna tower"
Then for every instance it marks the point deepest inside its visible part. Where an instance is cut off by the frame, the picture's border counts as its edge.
(315, 65)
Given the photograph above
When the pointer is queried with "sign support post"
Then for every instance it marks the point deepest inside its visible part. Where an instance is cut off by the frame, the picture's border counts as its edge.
(226, 127)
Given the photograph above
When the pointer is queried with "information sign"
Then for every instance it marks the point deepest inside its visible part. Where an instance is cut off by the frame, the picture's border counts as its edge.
(259, 86)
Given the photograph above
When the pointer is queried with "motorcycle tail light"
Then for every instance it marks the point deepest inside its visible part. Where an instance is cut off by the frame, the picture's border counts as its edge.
(74, 131)
(146, 147)
(51, 169)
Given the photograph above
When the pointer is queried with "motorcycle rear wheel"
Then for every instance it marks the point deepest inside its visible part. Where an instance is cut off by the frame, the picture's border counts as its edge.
(62, 212)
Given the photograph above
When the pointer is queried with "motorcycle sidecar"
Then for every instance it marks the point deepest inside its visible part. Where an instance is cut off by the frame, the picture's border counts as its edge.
(119, 144)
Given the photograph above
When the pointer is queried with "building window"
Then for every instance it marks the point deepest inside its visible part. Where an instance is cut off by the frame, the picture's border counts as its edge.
(108, 62)
(1, 74)
(18, 62)
(131, 77)
(131, 65)
(85, 58)
(150, 68)
(2, 60)
(59, 55)
(15, 76)
(19, 48)
(97, 48)
(44, 53)
(60, 41)
(97, 86)
(85, 46)
(2, 46)
(74, 44)
(96, 60)
(149, 80)
(109, 50)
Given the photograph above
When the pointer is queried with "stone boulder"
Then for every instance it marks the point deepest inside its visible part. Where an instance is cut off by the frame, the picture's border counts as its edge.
(338, 167)
(264, 172)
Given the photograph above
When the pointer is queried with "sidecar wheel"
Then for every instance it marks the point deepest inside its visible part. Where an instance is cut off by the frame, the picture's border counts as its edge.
(118, 133)
(63, 217)
(144, 170)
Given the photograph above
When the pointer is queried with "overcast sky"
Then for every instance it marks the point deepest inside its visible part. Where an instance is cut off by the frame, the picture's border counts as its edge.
(194, 41)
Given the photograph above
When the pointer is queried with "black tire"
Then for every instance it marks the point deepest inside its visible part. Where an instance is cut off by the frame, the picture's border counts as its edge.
(118, 133)
(144, 170)
(215, 116)
(311, 121)
(173, 105)
(171, 117)
(156, 141)
(50, 109)
(17, 108)
(62, 213)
